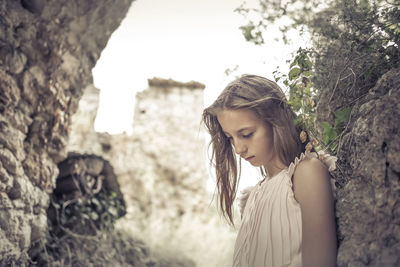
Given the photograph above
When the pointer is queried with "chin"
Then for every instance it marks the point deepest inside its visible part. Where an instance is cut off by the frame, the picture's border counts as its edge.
(256, 164)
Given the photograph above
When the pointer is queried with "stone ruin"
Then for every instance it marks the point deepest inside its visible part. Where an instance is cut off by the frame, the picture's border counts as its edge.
(161, 168)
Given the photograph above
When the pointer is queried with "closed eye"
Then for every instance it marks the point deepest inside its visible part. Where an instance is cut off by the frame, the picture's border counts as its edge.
(247, 135)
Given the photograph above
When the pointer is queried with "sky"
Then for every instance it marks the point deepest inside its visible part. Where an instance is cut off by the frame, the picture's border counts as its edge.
(183, 40)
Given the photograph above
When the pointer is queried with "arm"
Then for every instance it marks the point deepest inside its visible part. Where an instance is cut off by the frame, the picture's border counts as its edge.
(312, 189)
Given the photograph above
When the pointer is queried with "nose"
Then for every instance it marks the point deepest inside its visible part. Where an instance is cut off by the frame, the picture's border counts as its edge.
(240, 147)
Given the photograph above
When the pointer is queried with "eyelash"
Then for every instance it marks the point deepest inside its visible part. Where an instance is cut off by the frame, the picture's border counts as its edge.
(229, 138)
(247, 135)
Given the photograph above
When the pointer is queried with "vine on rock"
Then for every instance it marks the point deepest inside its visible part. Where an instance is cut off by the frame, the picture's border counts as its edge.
(303, 97)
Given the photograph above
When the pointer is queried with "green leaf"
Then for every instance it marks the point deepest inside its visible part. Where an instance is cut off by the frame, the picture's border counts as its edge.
(252, 34)
(298, 120)
(329, 133)
(341, 117)
(307, 65)
(246, 30)
(295, 102)
(308, 73)
(326, 125)
(294, 73)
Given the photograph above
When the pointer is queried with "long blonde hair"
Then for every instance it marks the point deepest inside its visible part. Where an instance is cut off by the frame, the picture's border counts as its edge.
(266, 99)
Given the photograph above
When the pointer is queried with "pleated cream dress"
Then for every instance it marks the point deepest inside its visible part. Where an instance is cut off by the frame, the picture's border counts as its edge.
(270, 232)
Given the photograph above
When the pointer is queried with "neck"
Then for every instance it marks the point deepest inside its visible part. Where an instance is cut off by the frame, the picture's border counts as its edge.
(274, 167)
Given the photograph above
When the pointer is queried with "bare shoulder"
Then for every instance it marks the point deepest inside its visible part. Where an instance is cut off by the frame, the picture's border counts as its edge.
(312, 167)
(311, 179)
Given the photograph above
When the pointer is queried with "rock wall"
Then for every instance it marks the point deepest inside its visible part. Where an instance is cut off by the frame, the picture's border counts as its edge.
(368, 206)
(47, 51)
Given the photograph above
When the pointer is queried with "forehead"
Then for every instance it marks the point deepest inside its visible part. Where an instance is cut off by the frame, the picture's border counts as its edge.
(234, 120)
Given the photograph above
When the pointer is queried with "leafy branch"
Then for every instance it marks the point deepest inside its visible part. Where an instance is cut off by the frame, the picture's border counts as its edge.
(302, 99)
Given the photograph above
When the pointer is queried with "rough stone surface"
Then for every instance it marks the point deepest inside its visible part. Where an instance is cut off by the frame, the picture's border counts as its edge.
(368, 206)
(47, 51)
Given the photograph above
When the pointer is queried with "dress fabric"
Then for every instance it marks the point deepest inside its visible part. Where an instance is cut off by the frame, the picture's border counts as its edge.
(271, 230)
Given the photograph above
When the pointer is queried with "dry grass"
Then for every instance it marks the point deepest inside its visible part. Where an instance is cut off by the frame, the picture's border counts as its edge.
(108, 247)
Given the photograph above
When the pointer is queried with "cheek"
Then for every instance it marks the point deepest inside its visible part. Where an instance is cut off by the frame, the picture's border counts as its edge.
(269, 136)
(269, 148)
(268, 145)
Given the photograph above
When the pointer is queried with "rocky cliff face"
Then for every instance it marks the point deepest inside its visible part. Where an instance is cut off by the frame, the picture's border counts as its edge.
(368, 206)
(47, 51)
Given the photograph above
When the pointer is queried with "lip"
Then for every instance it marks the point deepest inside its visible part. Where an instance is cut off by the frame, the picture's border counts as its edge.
(249, 158)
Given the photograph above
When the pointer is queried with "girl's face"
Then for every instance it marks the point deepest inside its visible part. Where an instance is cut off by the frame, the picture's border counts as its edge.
(251, 138)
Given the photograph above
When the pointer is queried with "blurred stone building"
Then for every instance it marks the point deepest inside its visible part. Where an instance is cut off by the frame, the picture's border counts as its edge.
(170, 157)
(161, 168)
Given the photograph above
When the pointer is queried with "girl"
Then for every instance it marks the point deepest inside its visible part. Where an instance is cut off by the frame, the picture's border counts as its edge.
(288, 217)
